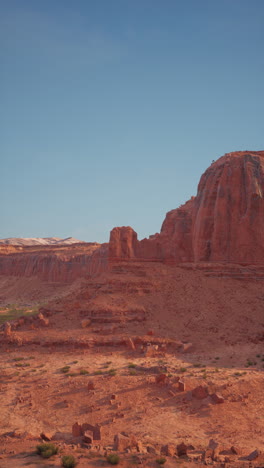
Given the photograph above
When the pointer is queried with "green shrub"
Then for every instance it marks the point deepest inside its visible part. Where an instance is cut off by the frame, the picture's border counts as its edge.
(112, 372)
(84, 372)
(113, 458)
(131, 365)
(161, 460)
(47, 450)
(182, 369)
(132, 372)
(68, 461)
(65, 369)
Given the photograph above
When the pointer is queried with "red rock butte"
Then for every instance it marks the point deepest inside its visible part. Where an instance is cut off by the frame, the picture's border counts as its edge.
(223, 223)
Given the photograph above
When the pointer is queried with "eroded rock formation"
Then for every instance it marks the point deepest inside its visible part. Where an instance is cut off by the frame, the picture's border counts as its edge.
(223, 223)
(53, 264)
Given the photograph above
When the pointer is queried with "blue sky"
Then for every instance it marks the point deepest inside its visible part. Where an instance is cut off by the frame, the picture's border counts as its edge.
(112, 109)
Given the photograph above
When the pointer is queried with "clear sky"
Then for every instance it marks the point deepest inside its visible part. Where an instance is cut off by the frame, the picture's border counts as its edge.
(112, 109)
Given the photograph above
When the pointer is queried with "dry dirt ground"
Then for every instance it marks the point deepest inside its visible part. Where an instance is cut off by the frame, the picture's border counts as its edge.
(200, 325)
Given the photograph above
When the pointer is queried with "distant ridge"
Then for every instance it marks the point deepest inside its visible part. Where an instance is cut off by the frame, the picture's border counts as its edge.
(24, 241)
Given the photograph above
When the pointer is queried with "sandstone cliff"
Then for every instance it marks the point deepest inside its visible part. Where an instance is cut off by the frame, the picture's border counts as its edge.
(54, 264)
(223, 223)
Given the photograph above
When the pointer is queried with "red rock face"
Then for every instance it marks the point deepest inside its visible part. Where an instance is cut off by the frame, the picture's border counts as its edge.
(53, 264)
(228, 215)
(223, 223)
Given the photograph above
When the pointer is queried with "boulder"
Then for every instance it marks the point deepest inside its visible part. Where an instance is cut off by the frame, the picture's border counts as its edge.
(77, 430)
(169, 450)
(182, 449)
(216, 398)
(86, 323)
(88, 437)
(181, 386)
(200, 392)
(90, 385)
(161, 379)
(253, 455)
(96, 430)
(7, 329)
(47, 436)
(151, 449)
(124, 441)
(42, 321)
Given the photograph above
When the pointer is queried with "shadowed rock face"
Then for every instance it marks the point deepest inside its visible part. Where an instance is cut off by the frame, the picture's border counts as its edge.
(223, 223)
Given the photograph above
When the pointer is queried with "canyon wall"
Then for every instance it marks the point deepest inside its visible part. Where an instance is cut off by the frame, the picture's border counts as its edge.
(53, 264)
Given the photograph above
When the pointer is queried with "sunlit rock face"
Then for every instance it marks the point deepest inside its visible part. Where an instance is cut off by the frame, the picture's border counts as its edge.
(228, 213)
(223, 223)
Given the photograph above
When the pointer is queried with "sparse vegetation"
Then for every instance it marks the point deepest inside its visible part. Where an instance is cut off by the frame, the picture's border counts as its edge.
(68, 461)
(161, 460)
(84, 372)
(13, 312)
(113, 458)
(131, 365)
(183, 369)
(65, 369)
(132, 372)
(98, 372)
(46, 450)
(250, 363)
(112, 372)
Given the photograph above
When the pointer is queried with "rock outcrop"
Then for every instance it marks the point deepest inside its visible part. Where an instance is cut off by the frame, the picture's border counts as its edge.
(223, 223)
(54, 264)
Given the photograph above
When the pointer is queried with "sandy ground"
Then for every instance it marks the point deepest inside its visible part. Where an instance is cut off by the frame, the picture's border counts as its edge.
(221, 317)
